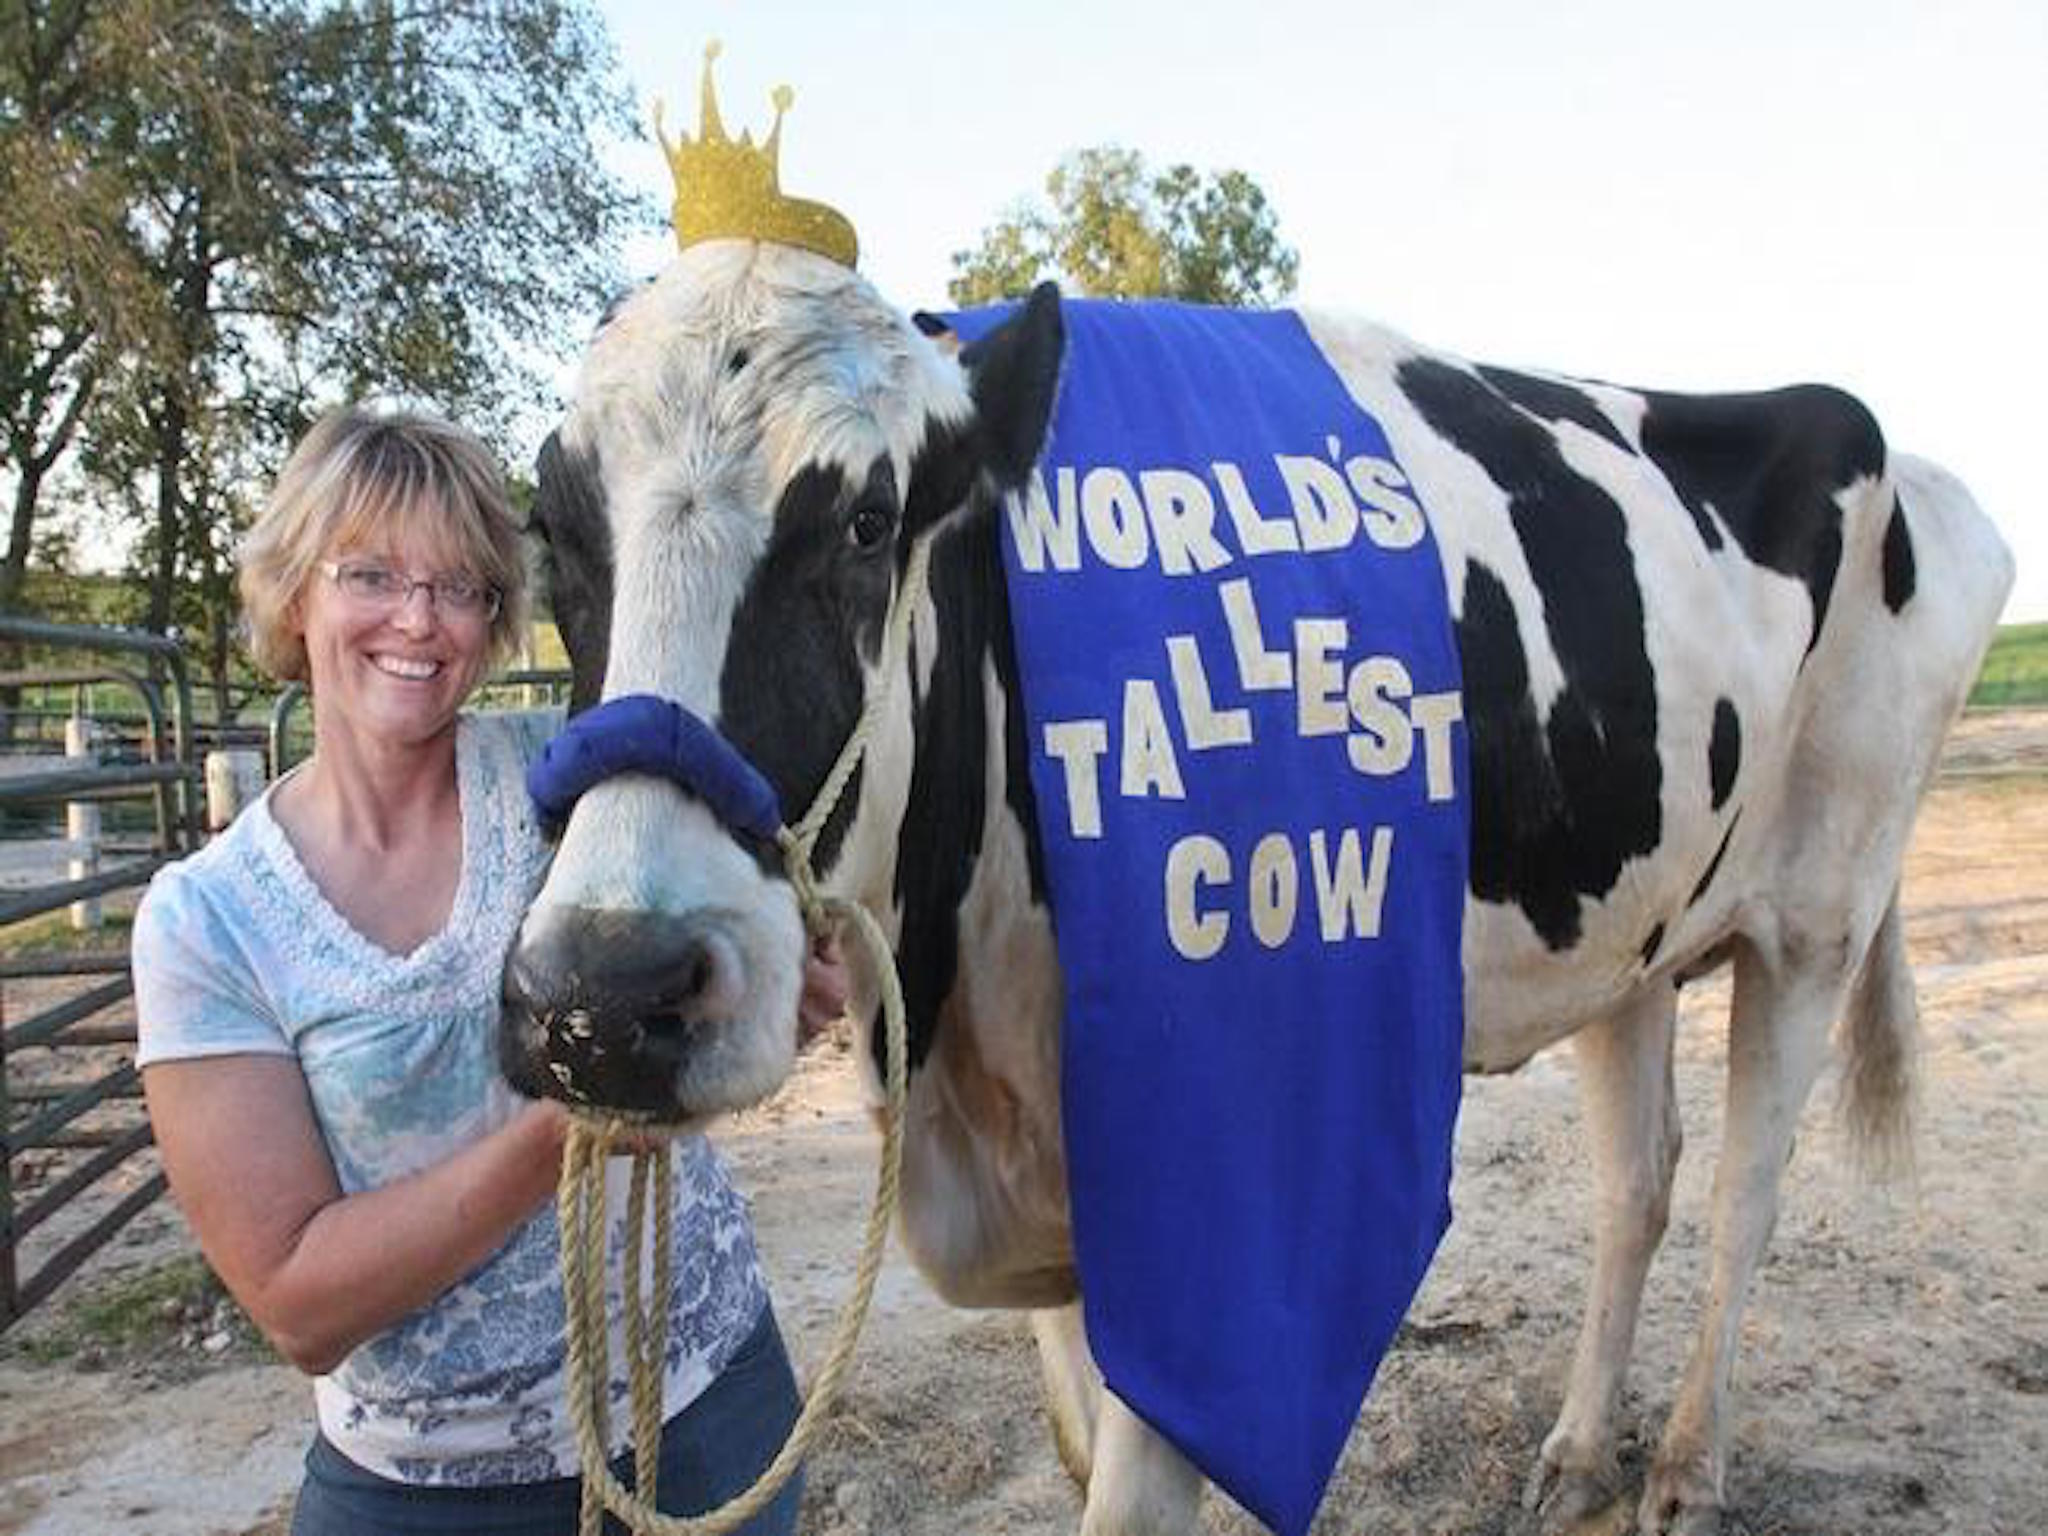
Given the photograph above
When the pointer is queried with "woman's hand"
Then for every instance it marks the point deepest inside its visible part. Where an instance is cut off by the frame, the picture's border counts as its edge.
(550, 1118)
(826, 986)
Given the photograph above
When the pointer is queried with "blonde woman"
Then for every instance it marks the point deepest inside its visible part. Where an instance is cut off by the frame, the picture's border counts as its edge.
(318, 993)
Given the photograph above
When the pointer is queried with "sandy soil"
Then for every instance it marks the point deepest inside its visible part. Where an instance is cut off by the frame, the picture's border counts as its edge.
(1895, 1355)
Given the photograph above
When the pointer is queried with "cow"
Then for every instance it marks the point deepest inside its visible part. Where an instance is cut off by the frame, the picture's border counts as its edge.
(1710, 649)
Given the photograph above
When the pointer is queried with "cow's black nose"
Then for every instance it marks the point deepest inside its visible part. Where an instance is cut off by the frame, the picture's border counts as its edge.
(601, 1005)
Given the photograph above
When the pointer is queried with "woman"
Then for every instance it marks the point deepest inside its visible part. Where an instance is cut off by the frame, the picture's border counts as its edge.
(317, 993)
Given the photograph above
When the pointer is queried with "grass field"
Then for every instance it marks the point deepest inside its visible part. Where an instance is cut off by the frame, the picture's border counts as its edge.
(52, 933)
(2016, 670)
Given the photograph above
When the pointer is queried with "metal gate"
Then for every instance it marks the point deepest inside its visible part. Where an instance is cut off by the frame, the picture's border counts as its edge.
(70, 1110)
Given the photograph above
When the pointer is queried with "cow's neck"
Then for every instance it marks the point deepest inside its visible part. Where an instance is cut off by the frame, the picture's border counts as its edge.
(944, 849)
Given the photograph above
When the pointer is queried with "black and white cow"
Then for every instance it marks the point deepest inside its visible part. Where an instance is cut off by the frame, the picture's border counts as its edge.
(1710, 649)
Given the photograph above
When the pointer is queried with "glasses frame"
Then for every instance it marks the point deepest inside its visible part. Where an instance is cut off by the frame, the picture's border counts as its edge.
(492, 605)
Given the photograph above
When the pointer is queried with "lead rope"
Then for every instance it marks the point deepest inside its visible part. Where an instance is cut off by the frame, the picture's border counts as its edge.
(580, 1198)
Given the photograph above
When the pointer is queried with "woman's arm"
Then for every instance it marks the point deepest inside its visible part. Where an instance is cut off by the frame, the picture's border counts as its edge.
(320, 1271)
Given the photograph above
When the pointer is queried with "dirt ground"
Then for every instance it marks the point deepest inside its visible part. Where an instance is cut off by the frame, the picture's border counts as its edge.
(1893, 1375)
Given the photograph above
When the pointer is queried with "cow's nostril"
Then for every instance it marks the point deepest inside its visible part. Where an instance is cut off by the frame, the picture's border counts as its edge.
(706, 985)
(663, 1023)
(721, 986)
(698, 982)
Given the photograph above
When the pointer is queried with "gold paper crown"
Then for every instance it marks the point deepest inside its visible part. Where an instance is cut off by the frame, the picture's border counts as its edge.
(728, 190)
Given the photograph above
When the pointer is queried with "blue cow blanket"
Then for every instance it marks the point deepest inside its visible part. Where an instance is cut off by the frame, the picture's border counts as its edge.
(1242, 692)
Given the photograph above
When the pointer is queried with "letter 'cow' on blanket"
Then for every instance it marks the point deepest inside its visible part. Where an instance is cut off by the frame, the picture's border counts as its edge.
(1710, 647)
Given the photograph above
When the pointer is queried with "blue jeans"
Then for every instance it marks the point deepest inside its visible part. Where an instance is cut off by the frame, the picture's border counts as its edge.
(711, 1452)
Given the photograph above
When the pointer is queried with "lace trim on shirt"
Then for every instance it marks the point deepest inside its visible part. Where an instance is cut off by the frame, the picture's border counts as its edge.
(500, 856)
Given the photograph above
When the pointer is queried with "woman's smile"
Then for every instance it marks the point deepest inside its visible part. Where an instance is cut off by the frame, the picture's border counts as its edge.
(411, 668)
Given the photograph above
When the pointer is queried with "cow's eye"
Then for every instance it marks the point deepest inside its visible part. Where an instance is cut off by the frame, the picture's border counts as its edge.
(872, 525)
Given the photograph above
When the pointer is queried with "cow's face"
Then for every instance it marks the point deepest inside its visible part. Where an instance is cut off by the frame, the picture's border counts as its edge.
(726, 511)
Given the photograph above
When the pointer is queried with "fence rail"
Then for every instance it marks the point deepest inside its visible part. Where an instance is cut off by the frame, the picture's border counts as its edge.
(69, 1089)
(19, 907)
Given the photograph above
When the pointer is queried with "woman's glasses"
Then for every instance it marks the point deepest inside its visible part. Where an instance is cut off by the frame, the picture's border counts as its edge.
(454, 594)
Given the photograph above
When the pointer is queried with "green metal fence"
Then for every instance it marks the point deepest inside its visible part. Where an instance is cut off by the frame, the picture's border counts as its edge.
(70, 1111)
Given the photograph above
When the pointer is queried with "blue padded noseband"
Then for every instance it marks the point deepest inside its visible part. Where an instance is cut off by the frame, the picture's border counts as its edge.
(640, 733)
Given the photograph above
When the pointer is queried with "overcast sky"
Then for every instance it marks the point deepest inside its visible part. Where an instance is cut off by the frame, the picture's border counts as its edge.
(1732, 196)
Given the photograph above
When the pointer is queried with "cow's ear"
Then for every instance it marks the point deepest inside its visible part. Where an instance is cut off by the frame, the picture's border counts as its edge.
(575, 539)
(1013, 373)
(546, 465)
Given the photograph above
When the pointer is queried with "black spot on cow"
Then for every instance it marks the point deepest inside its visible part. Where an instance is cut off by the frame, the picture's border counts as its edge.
(1515, 794)
(791, 690)
(1769, 467)
(1714, 864)
(569, 517)
(1899, 573)
(1724, 751)
(1560, 804)
(1012, 374)
(942, 476)
(941, 838)
(1555, 400)
(1652, 944)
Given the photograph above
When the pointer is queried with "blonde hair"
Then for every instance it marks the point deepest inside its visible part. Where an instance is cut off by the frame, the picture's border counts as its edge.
(361, 475)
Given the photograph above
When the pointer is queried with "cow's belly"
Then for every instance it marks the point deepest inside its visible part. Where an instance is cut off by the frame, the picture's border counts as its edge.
(1521, 996)
(1517, 1004)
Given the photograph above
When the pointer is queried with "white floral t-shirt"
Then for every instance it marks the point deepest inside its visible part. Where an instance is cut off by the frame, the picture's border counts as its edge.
(236, 951)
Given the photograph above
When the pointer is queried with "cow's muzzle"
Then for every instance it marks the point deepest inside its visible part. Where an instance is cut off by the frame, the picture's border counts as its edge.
(611, 1007)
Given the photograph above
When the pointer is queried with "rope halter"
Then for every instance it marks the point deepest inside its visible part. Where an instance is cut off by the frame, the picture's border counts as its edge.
(643, 734)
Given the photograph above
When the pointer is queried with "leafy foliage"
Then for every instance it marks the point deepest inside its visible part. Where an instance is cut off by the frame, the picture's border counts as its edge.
(1112, 228)
(225, 214)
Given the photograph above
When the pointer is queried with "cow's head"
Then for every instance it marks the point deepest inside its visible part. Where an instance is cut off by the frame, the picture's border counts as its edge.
(727, 509)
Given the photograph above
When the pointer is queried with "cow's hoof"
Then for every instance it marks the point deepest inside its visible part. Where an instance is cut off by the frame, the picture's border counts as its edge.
(1678, 1502)
(1565, 1499)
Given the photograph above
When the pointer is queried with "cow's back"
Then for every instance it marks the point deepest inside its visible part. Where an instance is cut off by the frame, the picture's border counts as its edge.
(1711, 645)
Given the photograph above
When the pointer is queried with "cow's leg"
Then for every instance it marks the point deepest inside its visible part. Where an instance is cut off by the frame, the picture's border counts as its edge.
(1136, 1484)
(1777, 1042)
(1631, 1109)
(1073, 1387)
(1141, 1485)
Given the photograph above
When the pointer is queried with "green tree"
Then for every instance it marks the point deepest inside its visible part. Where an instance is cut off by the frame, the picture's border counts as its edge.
(44, 347)
(69, 288)
(1110, 227)
(295, 201)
